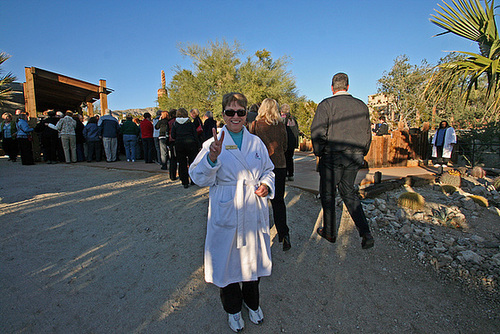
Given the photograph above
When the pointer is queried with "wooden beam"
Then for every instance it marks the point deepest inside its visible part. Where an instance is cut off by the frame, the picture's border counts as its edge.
(90, 109)
(103, 97)
(29, 93)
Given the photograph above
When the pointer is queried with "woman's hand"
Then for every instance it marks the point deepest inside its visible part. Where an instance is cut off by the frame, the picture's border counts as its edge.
(262, 190)
(216, 146)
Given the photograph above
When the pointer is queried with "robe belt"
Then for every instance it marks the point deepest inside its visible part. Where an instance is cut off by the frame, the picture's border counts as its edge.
(239, 204)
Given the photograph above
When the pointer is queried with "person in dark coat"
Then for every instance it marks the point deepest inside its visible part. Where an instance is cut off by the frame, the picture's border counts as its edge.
(209, 124)
(187, 143)
(292, 130)
(171, 145)
(341, 137)
(93, 136)
(80, 139)
(198, 124)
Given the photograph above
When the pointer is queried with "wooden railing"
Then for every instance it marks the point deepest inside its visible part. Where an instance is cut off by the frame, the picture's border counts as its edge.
(400, 148)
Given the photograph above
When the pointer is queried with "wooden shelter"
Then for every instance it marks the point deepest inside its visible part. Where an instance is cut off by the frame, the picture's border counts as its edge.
(48, 90)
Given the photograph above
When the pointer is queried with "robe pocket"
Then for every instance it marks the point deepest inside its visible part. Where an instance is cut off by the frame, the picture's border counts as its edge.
(226, 214)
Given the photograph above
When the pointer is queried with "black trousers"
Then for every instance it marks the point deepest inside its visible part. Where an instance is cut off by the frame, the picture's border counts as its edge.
(289, 162)
(50, 147)
(278, 203)
(26, 150)
(341, 170)
(149, 149)
(94, 147)
(173, 161)
(185, 156)
(439, 159)
(10, 147)
(233, 296)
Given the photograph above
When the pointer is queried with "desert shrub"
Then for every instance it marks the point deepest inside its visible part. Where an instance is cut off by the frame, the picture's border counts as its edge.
(479, 200)
(411, 200)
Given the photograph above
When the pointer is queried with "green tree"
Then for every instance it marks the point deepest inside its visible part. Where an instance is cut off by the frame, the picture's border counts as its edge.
(5, 80)
(405, 83)
(218, 69)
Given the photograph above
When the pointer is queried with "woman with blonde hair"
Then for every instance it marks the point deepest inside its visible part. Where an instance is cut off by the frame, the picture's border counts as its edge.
(268, 127)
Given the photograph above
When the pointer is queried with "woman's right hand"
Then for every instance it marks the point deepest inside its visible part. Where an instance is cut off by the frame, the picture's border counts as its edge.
(216, 146)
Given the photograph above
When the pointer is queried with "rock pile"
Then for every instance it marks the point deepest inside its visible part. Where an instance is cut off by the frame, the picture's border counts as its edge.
(452, 233)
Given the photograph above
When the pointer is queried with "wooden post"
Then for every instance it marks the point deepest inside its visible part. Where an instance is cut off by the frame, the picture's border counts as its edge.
(103, 97)
(29, 93)
(90, 109)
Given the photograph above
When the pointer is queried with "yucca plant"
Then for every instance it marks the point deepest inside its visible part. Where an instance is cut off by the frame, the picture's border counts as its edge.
(444, 217)
(496, 183)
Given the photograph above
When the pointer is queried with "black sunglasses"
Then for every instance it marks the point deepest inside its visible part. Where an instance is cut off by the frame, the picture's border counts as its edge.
(230, 113)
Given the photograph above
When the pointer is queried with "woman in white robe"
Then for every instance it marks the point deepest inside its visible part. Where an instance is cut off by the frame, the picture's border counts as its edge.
(237, 168)
(442, 144)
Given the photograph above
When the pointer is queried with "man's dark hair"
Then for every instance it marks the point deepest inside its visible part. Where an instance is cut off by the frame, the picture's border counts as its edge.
(147, 115)
(382, 118)
(340, 81)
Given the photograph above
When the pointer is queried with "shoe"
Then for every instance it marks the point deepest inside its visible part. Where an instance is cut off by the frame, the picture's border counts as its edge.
(286, 243)
(186, 185)
(290, 178)
(437, 165)
(235, 321)
(257, 317)
(332, 239)
(128, 160)
(367, 241)
(133, 160)
(444, 165)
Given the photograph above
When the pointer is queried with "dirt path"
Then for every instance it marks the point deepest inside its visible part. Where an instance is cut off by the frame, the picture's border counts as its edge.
(89, 250)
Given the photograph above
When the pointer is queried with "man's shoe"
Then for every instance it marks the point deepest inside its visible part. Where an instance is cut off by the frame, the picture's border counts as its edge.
(320, 231)
(235, 321)
(257, 317)
(290, 178)
(286, 243)
(367, 241)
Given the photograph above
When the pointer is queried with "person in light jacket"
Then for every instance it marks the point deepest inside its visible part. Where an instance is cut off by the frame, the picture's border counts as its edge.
(236, 166)
(442, 144)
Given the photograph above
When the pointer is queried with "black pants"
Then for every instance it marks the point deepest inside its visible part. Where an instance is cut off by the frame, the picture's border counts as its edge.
(233, 296)
(289, 162)
(149, 149)
(341, 170)
(10, 147)
(278, 203)
(94, 147)
(173, 161)
(185, 156)
(26, 150)
(439, 159)
(50, 147)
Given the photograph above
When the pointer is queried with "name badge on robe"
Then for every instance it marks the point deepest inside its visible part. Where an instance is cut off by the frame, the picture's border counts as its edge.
(231, 147)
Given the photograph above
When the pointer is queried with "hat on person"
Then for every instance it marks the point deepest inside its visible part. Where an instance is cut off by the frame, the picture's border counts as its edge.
(59, 114)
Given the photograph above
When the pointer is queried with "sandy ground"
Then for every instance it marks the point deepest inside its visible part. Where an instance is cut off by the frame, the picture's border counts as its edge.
(92, 250)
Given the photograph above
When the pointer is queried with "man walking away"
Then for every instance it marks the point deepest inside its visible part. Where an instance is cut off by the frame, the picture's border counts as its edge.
(341, 138)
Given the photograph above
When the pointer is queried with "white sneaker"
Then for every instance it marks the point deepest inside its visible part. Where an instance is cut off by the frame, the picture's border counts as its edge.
(257, 317)
(236, 322)
(437, 165)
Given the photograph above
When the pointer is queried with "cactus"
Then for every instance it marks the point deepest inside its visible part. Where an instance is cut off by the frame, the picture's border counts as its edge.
(462, 171)
(448, 189)
(478, 172)
(451, 178)
(479, 200)
(411, 200)
(496, 183)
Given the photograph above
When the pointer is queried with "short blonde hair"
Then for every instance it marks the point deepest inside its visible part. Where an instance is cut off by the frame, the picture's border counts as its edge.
(285, 108)
(269, 111)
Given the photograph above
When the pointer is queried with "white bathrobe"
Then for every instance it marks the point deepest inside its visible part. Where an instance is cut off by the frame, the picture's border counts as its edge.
(449, 139)
(238, 242)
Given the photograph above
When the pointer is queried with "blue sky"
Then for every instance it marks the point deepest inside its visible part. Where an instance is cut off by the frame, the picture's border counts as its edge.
(128, 43)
